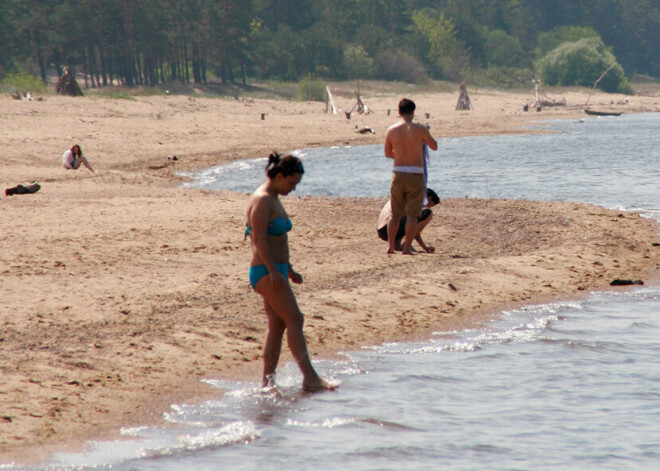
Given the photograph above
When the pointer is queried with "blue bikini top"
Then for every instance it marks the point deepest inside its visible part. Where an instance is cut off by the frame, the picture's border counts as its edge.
(277, 227)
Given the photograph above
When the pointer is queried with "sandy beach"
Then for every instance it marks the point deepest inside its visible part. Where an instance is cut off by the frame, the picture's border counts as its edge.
(121, 291)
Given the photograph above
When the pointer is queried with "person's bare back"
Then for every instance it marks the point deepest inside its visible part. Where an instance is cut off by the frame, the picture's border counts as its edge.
(404, 143)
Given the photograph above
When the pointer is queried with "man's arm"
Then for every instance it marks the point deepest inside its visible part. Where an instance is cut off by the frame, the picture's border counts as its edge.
(428, 139)
(389, 150)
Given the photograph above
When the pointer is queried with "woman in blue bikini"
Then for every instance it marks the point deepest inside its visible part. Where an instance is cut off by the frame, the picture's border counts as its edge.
(270, 269)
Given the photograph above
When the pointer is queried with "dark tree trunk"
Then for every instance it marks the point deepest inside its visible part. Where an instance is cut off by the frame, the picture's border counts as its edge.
(42, 67)
(196, 63)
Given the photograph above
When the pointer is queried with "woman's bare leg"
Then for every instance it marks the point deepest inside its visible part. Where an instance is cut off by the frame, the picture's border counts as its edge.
(272, 345)
(284, 305)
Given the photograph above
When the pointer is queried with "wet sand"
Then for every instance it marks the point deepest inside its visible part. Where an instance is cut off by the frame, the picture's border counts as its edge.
(121, 291)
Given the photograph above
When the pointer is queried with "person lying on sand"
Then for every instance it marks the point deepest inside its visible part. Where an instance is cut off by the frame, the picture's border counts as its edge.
(422, 221)
(270, 270)
(72, 158)
(28, 188)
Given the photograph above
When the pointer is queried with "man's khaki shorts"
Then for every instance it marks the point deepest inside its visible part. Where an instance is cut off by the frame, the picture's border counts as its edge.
(407, 193)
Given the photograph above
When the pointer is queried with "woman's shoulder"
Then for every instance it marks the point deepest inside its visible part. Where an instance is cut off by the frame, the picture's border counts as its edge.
(261, 196)
(260, 199)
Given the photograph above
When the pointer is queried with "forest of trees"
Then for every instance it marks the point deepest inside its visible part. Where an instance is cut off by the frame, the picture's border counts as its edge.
(147, 42)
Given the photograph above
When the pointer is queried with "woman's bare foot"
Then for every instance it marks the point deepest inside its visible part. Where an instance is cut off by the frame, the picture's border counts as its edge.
(317, 385)
(268, 381)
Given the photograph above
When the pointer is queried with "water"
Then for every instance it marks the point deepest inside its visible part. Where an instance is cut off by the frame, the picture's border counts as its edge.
(563, 386)
(607, 161)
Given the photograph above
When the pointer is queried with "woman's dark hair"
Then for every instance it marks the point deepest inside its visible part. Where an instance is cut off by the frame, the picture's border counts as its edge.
(79, 149)
(432, 196)
(287, 165)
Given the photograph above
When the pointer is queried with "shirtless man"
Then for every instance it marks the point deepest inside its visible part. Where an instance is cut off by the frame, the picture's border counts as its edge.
(404, 142)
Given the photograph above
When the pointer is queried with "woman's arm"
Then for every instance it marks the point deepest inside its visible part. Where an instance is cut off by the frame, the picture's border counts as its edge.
(294, 275)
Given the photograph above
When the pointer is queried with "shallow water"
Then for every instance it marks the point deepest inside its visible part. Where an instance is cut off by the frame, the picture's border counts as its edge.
(573, 385)
(610, 161)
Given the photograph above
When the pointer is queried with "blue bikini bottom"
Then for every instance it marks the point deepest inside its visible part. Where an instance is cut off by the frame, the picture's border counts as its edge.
(258, 272)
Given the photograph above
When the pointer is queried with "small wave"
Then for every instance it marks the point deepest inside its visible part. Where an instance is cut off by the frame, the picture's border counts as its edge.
(425, 379)
(334, 422)
(544, 310)
(643, 326)
(595, 346)
(489, 449)
(231, 434)
(153, 443)
(517, 334)
(425, 348)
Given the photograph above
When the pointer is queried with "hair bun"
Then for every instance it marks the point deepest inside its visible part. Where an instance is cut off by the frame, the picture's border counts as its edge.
(273, 160)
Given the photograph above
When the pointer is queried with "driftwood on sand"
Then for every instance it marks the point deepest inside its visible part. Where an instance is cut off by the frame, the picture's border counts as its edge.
(359, 106)
(329, 101)
(464, 102)
(542, 100)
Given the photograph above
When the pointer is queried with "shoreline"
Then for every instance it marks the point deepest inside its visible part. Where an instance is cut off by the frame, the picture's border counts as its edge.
(122, 290)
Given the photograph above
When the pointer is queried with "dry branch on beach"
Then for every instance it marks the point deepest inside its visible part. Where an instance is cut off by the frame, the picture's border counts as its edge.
(67, 85)
(464, 102)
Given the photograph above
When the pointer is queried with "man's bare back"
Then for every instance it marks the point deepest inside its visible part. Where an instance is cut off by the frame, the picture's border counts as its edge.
(404, 143)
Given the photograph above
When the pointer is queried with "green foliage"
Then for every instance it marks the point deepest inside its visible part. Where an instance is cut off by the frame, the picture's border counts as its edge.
(436, 40)
(372, 38)
(399, 65)
(549, 40)
(357, 62)
(150, 42)
(311, 89)
(582, 63)
(278, 53)
(501, 49)
(502, 77)
(23, 81)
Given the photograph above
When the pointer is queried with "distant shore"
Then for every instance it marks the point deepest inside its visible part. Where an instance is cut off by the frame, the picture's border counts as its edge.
(121, 290)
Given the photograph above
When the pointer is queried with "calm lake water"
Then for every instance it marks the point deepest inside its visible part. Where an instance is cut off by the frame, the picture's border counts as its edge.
(564, 386)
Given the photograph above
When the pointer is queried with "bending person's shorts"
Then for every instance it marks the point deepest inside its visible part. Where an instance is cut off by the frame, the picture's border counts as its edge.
(401, 231)
(407, 192)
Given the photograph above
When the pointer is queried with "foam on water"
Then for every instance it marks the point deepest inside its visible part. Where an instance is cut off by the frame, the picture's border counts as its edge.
(569, 385)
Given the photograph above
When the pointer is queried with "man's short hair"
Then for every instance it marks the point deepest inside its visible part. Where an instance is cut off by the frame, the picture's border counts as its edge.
(406, 106)
(432, 196)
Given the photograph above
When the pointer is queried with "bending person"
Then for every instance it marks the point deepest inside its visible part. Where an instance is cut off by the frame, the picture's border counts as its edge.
(422, 221)
(270, 269)
(73, 158)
